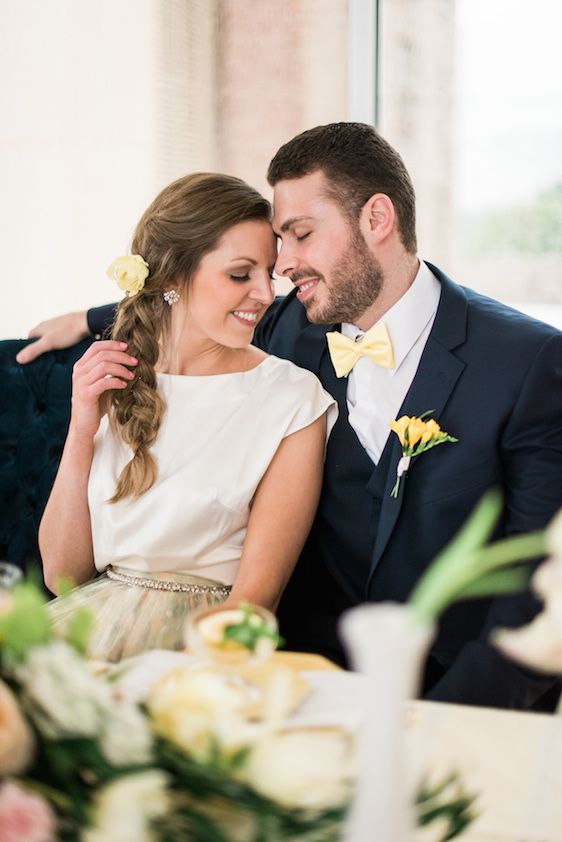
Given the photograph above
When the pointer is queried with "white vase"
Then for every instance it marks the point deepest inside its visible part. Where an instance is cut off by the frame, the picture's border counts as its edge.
(386, 645)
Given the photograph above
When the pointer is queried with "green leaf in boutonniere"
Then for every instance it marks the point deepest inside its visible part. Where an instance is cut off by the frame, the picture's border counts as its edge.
(416, 436)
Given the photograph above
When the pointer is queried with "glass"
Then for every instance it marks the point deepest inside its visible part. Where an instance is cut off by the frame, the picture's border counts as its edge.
(10, 576)
(205, 635)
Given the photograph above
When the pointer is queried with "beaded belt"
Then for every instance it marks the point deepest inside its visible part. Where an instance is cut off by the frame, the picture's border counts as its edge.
(165, 584)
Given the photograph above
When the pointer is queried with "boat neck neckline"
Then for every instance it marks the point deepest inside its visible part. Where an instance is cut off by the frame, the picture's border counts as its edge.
(213, 376)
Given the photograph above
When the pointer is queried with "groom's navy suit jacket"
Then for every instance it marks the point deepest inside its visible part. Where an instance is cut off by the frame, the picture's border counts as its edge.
(493, 378)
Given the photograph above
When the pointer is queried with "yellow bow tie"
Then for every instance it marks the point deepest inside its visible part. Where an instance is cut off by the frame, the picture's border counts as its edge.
(375, 344)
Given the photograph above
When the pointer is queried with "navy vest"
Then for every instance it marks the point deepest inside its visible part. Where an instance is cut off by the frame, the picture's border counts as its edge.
(346, 525)
(334, 569)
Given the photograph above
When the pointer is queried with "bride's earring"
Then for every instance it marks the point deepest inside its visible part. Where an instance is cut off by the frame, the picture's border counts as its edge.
(171, 296)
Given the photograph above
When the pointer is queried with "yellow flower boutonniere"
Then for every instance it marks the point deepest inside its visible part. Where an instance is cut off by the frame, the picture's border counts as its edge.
(416, 436)
(129, 272)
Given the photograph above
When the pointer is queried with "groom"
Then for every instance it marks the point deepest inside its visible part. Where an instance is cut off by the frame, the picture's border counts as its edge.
(344, 212)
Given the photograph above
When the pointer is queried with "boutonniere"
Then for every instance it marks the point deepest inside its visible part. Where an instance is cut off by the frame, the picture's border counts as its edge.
(416, 436)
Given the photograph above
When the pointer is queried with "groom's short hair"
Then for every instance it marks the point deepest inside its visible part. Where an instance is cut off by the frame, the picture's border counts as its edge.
(357, 163)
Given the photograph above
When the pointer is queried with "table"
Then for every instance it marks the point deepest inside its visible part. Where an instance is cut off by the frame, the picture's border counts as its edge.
(512, 760)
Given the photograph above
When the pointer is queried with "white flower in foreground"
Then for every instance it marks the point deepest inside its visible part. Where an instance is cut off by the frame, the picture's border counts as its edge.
(125, 809)
(126, 739)
(67, 698)
(309, 769)
(539, 644)
(199, 708)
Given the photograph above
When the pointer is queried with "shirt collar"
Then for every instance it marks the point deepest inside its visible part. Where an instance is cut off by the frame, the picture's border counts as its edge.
(407, 319)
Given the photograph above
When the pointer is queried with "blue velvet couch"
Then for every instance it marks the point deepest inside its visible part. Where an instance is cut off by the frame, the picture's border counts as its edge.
(35, 408)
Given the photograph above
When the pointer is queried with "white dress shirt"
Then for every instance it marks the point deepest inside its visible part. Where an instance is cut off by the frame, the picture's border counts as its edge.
(375, 394)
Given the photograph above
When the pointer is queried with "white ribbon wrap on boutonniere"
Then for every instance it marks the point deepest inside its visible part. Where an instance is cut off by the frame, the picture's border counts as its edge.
(403, 466)
(416, 436)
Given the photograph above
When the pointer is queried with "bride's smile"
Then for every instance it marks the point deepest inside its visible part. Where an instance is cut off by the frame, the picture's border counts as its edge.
(224, 300)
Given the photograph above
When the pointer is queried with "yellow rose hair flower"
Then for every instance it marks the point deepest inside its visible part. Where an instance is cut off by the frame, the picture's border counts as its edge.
(129, 272)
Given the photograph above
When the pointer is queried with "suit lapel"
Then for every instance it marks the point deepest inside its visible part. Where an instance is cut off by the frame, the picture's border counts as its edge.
(436, 377)
(310, 347)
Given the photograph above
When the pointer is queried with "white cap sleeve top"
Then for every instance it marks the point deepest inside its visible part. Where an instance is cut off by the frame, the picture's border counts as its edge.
(217, 439)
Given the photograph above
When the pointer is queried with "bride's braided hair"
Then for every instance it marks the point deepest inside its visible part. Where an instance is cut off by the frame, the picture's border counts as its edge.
(183, 223)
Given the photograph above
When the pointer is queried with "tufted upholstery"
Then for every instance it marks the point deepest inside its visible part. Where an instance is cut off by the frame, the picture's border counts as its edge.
(35, 407)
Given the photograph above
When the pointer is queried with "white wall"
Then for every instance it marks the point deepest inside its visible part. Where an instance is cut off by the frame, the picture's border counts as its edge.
(90, 104)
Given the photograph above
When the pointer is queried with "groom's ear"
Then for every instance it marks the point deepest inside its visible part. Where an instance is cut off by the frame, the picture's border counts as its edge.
(378, 219)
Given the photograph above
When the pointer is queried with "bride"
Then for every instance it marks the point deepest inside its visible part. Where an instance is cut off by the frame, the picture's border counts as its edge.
(193, 462)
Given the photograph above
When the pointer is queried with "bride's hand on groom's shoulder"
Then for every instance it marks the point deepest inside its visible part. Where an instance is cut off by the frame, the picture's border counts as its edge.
(105, 366)
(60, 332)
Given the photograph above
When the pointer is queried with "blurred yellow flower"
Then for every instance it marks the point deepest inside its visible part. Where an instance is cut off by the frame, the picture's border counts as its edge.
(198, 709)
(303, 768)
(127, 808)
(6, 603)
(129, 272)
(16, 739)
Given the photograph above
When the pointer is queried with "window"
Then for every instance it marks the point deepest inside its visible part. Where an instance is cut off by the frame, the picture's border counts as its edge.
(471, 94)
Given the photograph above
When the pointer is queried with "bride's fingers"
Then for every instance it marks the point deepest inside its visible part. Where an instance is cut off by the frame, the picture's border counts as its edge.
(97, 347)
(108, 356)
(107, 384)
(106, 369)
(89, 395)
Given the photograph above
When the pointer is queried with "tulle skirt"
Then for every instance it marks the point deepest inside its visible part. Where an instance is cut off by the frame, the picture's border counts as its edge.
(133, 612)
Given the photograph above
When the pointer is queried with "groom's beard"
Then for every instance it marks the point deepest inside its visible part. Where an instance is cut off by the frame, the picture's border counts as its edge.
(355, 283)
